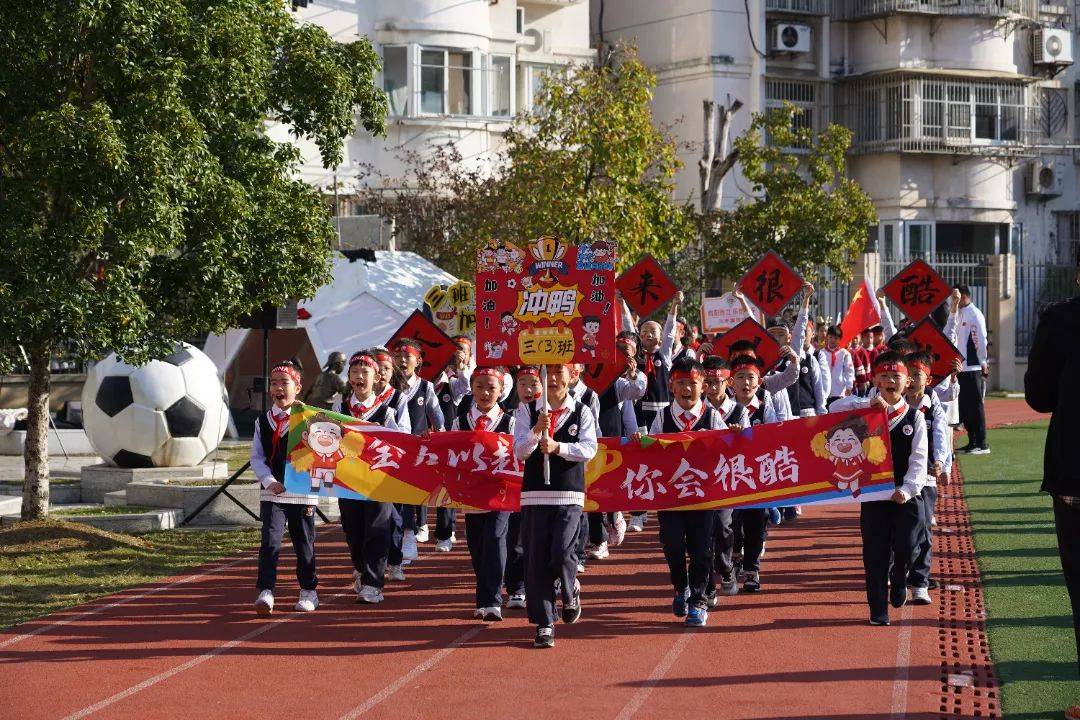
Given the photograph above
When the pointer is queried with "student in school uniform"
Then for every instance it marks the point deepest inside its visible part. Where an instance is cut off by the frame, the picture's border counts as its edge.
(840, 366)
(565, 436)
(734, 415)
(368, 525)
(688, 533)
(425, 415)
(889, 528)
(588, 397)
(939, 457)
(280, 509)
(485, 532)
(527, 389)
(449, 394)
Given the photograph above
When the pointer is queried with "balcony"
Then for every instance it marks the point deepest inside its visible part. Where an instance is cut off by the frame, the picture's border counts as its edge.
(923, 113)
(867, 9)
(803, 7)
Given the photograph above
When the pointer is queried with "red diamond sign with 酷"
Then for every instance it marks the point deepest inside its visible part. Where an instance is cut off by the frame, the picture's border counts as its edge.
(917, 290)
(437, 346)
(765, 347)
(771, 283)
(927, 336)
(645, 287)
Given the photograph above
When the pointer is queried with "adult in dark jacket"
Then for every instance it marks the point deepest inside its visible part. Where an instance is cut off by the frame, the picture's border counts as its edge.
(1052, 384)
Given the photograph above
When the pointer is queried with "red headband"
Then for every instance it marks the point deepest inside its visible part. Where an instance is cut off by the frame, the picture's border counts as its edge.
(529, 371)
(364, 358)
(896, 367)
(382, 357)
(406, 348)
(921, 366)
(749, 367)
(718, 373)
(289, 370)
(492, 371)
(462, 340)
(686, 375)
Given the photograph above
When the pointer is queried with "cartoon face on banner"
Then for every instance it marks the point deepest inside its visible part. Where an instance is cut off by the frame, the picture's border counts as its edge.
(765, 347)
(453, 308)
(917, 290)
(437, 345)
(771, 283)
(551, 302)
(646, 287)
(943, 354)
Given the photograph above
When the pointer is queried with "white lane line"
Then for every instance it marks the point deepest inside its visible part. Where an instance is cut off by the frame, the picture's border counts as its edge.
(903, 660)
(172, 672)
(408, 677)
(122, 601)
(642, 694)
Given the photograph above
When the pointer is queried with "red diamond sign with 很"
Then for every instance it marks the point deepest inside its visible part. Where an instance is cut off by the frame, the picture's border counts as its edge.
(771, 283)
(927, 336)
(645, 287)
(917, 290)
(765, 347)
(437, 345)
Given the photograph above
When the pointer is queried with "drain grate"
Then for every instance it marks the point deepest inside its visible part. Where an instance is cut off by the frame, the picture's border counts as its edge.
(969, 685)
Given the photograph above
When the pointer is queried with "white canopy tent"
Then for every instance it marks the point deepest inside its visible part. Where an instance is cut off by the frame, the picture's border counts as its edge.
(362, 305)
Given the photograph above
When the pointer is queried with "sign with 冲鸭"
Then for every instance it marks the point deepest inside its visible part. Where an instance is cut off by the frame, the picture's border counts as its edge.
(452, 308)
(548, 302)
(943, 354)
(437, 347)
(720, 314)
(917, 290)
(771, 283)
(764, 346)
(646, 287)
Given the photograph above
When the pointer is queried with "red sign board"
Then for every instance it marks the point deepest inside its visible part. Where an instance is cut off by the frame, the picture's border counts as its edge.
(765, 347)
(548, 302)
(437, 345)
(646, 287)
(599, 377)
(928, 337)
(771, 283)
(917, 290)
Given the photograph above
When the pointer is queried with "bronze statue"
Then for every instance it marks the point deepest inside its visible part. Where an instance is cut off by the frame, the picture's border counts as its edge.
(329, 383)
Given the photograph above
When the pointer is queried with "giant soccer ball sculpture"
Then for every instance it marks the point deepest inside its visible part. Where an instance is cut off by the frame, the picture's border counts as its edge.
(167, 413)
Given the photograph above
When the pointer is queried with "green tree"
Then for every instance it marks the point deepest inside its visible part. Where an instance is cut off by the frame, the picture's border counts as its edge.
(140, 199)
(588, 162)
(804, 207)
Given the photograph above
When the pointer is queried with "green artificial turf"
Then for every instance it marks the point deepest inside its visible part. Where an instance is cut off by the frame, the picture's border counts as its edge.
(62, 511)
(1029, 623)
(46, 566)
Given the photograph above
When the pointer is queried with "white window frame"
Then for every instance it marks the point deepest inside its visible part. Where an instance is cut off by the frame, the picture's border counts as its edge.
(490, 85)
(409, 99)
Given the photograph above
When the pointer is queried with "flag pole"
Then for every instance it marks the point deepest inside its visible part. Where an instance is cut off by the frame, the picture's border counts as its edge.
(547, 409)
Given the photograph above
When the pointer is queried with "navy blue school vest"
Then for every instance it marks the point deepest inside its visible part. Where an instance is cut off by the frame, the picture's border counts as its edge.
(801, 393)
(758, 416)
(901, 437)
(418, 411)
(705, 422)
(610, 420)
(379, 416)
(928, 417)
(446, 400)
(566, 475)
(273, 448)
(464, 423)
(736, 416)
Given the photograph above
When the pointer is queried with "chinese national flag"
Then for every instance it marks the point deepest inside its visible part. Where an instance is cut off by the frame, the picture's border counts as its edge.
(861, 314)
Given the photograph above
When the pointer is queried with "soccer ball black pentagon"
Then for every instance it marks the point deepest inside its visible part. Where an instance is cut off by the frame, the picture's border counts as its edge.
(167, 413)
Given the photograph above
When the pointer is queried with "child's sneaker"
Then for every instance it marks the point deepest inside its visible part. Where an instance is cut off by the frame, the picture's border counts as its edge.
(478, 613)
(309, 600)
(678, 605)
(264, 604)
(880, 620)
(728, 585)
(371, 595)
(396, 573)
(492, 614)
(920, 596)
(422, 534)
(711, 599)
(697, 617)
(409, 550)
(445, 545)
(545, 637)
(516, 602)
(898, 595)
(619, 529)
(599, 552)
(752, 583)
(580, 567)
(637, 523)
(571, 611)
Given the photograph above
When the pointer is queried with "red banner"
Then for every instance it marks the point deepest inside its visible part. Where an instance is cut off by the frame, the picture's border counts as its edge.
(549, 302)
(438, 347)
(928, 336)
(765, 346)
(646, 287)
(917, 290)
(771, 283)
(832, 458)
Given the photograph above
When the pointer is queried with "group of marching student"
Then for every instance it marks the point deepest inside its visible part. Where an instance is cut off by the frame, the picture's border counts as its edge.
(536, 555)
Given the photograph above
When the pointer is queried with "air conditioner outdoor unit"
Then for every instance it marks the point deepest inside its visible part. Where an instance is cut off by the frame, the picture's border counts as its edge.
(1053, 46)
(791, 38)
(1047, 178)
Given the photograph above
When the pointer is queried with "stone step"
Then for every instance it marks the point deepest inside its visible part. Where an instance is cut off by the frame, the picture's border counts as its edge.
(116, 497)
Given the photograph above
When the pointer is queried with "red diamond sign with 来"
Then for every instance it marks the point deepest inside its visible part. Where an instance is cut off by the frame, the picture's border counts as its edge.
(437, 346)
(765, 347)
(646, 287)
(771, 283)
(917, 290)
(927, 336)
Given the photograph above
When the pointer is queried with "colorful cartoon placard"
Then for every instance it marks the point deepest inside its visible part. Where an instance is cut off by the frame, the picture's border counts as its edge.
(548, 302)
(928, 336)
(765, 346)
(452, 308)
(771, 283)
(437, 346)
(646, 287)
(917, 290)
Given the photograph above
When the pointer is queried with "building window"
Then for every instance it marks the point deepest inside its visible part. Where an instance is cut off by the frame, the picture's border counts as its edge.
(1054, 112)
(396, 78)
(531, 79)
(808, 97)
(446, 82)
(1068, 237)
(498, 77)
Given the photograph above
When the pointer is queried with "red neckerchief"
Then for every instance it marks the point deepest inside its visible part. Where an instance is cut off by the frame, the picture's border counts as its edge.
(752, 406)
(686, 419)
(281, 429)
(895, 415)
(555, 415)
(649, 363)
(484, 421)
(832, 356)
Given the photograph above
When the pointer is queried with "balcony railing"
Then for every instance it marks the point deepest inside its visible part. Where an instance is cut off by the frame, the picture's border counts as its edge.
(902, 112)
(808, 7)
(864, 9)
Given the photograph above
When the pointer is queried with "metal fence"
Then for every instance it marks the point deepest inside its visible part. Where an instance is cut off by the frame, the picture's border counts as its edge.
(1038, 285)
(968, 269)
(831, 298)
(859, 9)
